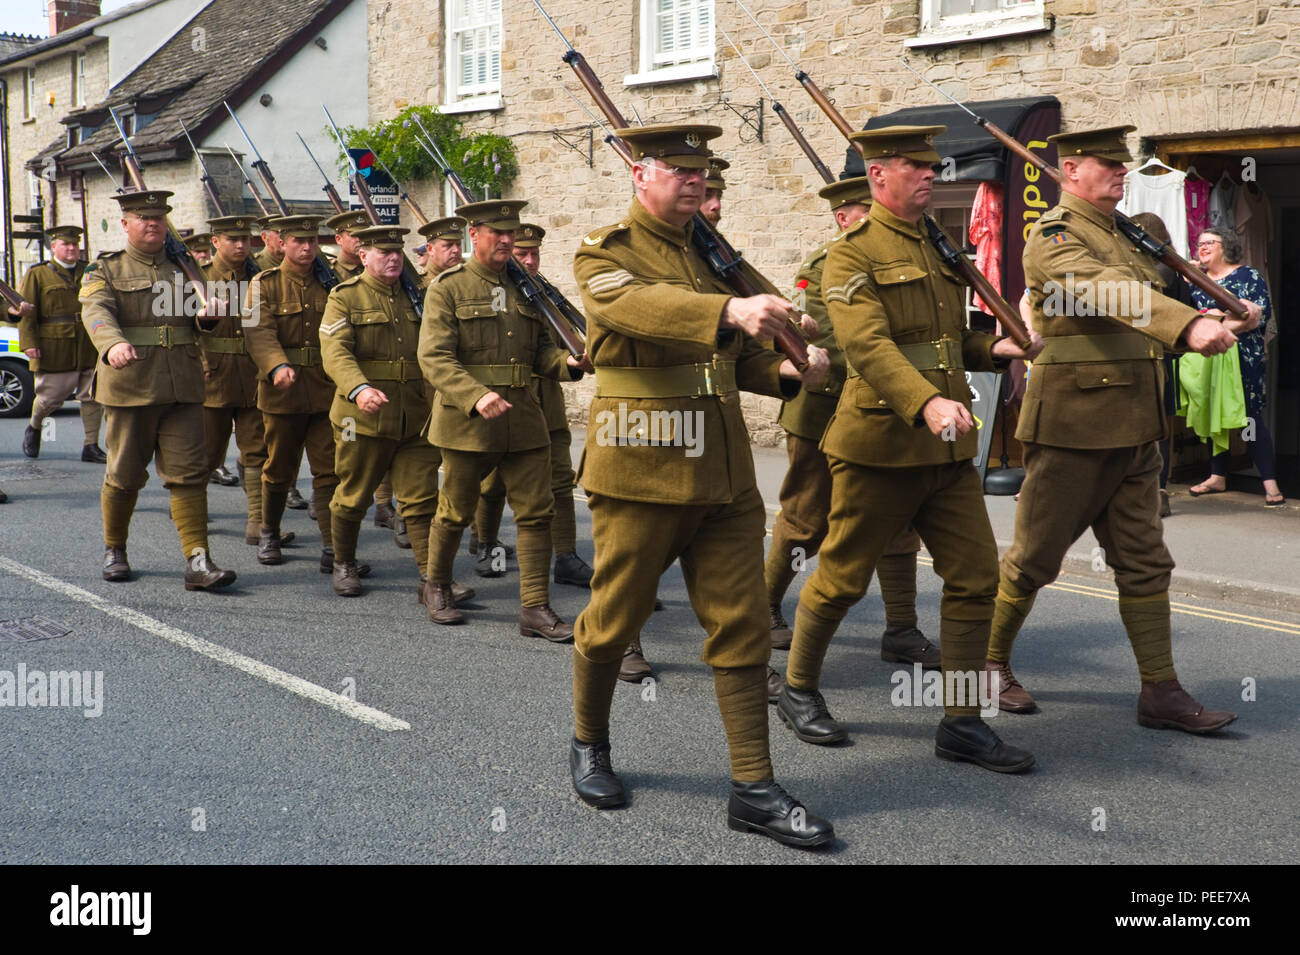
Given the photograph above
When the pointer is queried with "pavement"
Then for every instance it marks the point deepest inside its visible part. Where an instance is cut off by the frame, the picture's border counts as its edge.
(277, 723)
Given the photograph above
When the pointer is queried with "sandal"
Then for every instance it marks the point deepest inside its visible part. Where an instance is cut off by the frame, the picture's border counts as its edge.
(1204, 490)
(1269, 502)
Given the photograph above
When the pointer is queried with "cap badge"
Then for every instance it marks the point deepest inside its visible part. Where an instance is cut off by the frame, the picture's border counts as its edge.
(693, 141)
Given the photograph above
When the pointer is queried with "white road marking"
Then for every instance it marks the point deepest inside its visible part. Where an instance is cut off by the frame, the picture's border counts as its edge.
(255, 668)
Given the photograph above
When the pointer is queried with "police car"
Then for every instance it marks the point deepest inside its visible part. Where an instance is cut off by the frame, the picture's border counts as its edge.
(16, 386)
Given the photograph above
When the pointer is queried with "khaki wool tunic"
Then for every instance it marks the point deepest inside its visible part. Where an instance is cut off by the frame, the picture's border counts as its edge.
(55, 327)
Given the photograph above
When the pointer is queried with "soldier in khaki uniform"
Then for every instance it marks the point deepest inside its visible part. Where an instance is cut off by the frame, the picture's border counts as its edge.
(60, 353)
(272, 251)
(150, 382)
(347, 264)
(569, 567)
(801, 525)
(669, 473)
(294, 393)
(714, 186)
(442, 245)
(369, 338)
(900, 447)
(480, 345)
(1091, 421)
(230, 401)
(200, 246)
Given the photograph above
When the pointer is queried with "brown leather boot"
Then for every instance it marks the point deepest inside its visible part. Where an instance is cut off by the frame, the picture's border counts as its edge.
(115, 566)
(459, 592)
(635, 666)
(1012, 697)
(440, 603)
(384, 515)
(268, 547)
(347, 583)
(775, 684)
(1166, 705)
(781, 632)
(202, 574)
(327, 563)
(544, 622)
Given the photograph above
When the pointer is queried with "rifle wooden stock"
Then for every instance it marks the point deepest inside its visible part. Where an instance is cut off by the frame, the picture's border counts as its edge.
(1160, 251)
(8, 293)
(801, 141)
(335, 199)
(724, 260)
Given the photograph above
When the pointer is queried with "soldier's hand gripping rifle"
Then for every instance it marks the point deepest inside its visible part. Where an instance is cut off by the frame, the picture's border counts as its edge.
(528, 286)
(320, 267)
(173, 247)
(951, 255)
(408, 280)
(1160, 251)
(722, 258)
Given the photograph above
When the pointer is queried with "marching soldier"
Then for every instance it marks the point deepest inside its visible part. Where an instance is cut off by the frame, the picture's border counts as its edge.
(347, 264)
(369, 338)
(442, 245)
(1091, 422)
(230, 401)
(61, 354)
(672, 344)
(480, 345)
(569, 567)
(900, 447)
(714, 186)
(200, 246)
(272, 253)
(150, 381)
(801, 525)
(294, 393)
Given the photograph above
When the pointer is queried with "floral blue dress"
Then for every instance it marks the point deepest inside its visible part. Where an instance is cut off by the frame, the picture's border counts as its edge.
(1245, 283)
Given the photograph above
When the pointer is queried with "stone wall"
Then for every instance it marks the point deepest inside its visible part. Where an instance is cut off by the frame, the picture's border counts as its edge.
(1172, 68)
(29, 137)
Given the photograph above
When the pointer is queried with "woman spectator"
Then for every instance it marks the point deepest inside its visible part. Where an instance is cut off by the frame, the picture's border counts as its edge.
(1219, 255)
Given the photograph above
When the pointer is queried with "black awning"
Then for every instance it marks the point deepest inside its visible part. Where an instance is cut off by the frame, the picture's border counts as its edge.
(979, 157)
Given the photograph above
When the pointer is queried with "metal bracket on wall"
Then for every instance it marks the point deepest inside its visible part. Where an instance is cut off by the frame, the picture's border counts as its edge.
(751, 118)
(576, 145)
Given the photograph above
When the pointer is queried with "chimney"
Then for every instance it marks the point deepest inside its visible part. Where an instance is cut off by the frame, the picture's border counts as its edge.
(66, 14)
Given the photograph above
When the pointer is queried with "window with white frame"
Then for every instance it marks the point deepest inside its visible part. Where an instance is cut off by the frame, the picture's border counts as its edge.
(473, 55)
(79, 79)
(34, 200)
(677, 41)
(29, 94)
(958, 21)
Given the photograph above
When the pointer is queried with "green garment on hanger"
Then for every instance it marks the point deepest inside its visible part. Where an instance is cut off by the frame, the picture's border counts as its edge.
(1211, 396)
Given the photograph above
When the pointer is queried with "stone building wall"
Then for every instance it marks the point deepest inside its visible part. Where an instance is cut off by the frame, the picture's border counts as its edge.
(1189, 68)
(27, 137)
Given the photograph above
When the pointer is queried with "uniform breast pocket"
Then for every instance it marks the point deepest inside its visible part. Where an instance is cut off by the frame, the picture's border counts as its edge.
(480, 325)
(903, 291)
(1103, 375)
(136, 294)
(367, 317)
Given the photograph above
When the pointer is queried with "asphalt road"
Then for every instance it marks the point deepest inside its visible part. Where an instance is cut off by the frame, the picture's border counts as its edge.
(211, 748)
